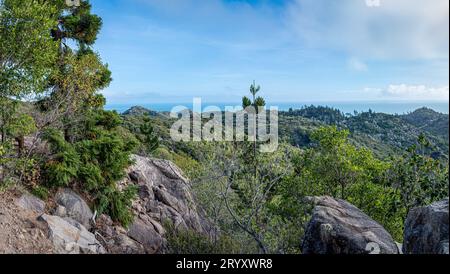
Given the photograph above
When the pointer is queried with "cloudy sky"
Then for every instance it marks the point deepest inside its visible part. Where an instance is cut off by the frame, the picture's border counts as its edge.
(168, 51)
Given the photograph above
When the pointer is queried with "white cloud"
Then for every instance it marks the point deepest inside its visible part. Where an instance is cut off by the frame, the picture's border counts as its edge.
(407, 29)
(420, 92)
(372, 90)
(373, 3)
(405, 92)
(356, 64)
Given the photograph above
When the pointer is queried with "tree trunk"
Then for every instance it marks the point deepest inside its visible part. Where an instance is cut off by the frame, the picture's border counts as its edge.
(20, 145)
(261, 246)
(3, 134)
(67, 133)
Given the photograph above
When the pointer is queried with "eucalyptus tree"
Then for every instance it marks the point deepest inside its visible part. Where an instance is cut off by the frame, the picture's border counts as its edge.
(27, 54)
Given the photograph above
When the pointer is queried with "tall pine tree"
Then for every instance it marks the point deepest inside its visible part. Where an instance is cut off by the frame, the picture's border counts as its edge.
(80, 72)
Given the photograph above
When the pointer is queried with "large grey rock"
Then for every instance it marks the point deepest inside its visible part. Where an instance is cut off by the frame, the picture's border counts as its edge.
(146, 234)
(126, 245)
(443, 247)
(164, 195)
(115, 238)
(426, 229)
(71, 237)
(337, 227)
(30, 202)
(75, 207)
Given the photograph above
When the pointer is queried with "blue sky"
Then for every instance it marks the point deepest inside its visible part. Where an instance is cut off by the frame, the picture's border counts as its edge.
(169, 51)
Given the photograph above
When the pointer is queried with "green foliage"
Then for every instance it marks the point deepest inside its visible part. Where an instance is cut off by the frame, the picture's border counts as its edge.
(236, 200)
(331, 167)
(354, 154)
(63, 166)
(149, 139)
(108, 152)
(260, 102)
(88, 146)
(335, 164)
(108, 120)
(79, 71)
(246, 102)
(381, 203)
(385, 135)
(81, 25)
(27, 52)
(184, 241)
(40, 191)
(117, 203)
(325, 114)
(418, 177)
(21, 125)
(257, 101)
(91, 175)
(3, 163)
(255, 200)
(13, 169)
(384, 190)
(148, 130)
(97, 160)
(430, 121)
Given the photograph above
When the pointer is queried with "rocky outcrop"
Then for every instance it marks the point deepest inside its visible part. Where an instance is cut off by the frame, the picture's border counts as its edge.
(115, 239)
(337, 227)
(70, 237)
(443, 248)
(146, 234)
(426, 229)
(164, 196)
(30, 202)
(73, 206)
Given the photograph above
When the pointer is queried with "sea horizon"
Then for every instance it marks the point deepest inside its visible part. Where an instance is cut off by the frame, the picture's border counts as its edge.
(392, 107)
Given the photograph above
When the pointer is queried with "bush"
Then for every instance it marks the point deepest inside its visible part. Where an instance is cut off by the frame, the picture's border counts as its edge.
(186, 241)
(97, 160)
(40, 192)
(381, 203)
(117, 204)
(63, 166)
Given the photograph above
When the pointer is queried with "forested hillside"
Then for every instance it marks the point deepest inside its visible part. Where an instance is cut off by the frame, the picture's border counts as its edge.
(429, 120)
(385, 134)
(104, 182)
(379, 162)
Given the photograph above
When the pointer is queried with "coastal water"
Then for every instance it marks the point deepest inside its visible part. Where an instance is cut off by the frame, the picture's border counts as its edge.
(346, 107)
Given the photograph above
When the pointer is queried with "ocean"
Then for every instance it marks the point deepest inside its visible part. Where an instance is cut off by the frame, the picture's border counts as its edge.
(346, 107)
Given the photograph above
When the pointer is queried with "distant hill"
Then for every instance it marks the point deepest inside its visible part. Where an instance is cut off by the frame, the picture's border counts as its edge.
(429, 120)
(138, 110)
(384, 134)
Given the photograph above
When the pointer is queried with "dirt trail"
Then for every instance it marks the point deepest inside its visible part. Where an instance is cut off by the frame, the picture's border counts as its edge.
(20, 232)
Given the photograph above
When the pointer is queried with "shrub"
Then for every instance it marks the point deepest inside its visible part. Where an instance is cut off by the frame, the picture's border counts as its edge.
(63, 166)
(40, 192)
(97, 161)
(186, 241)
(117, 204)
